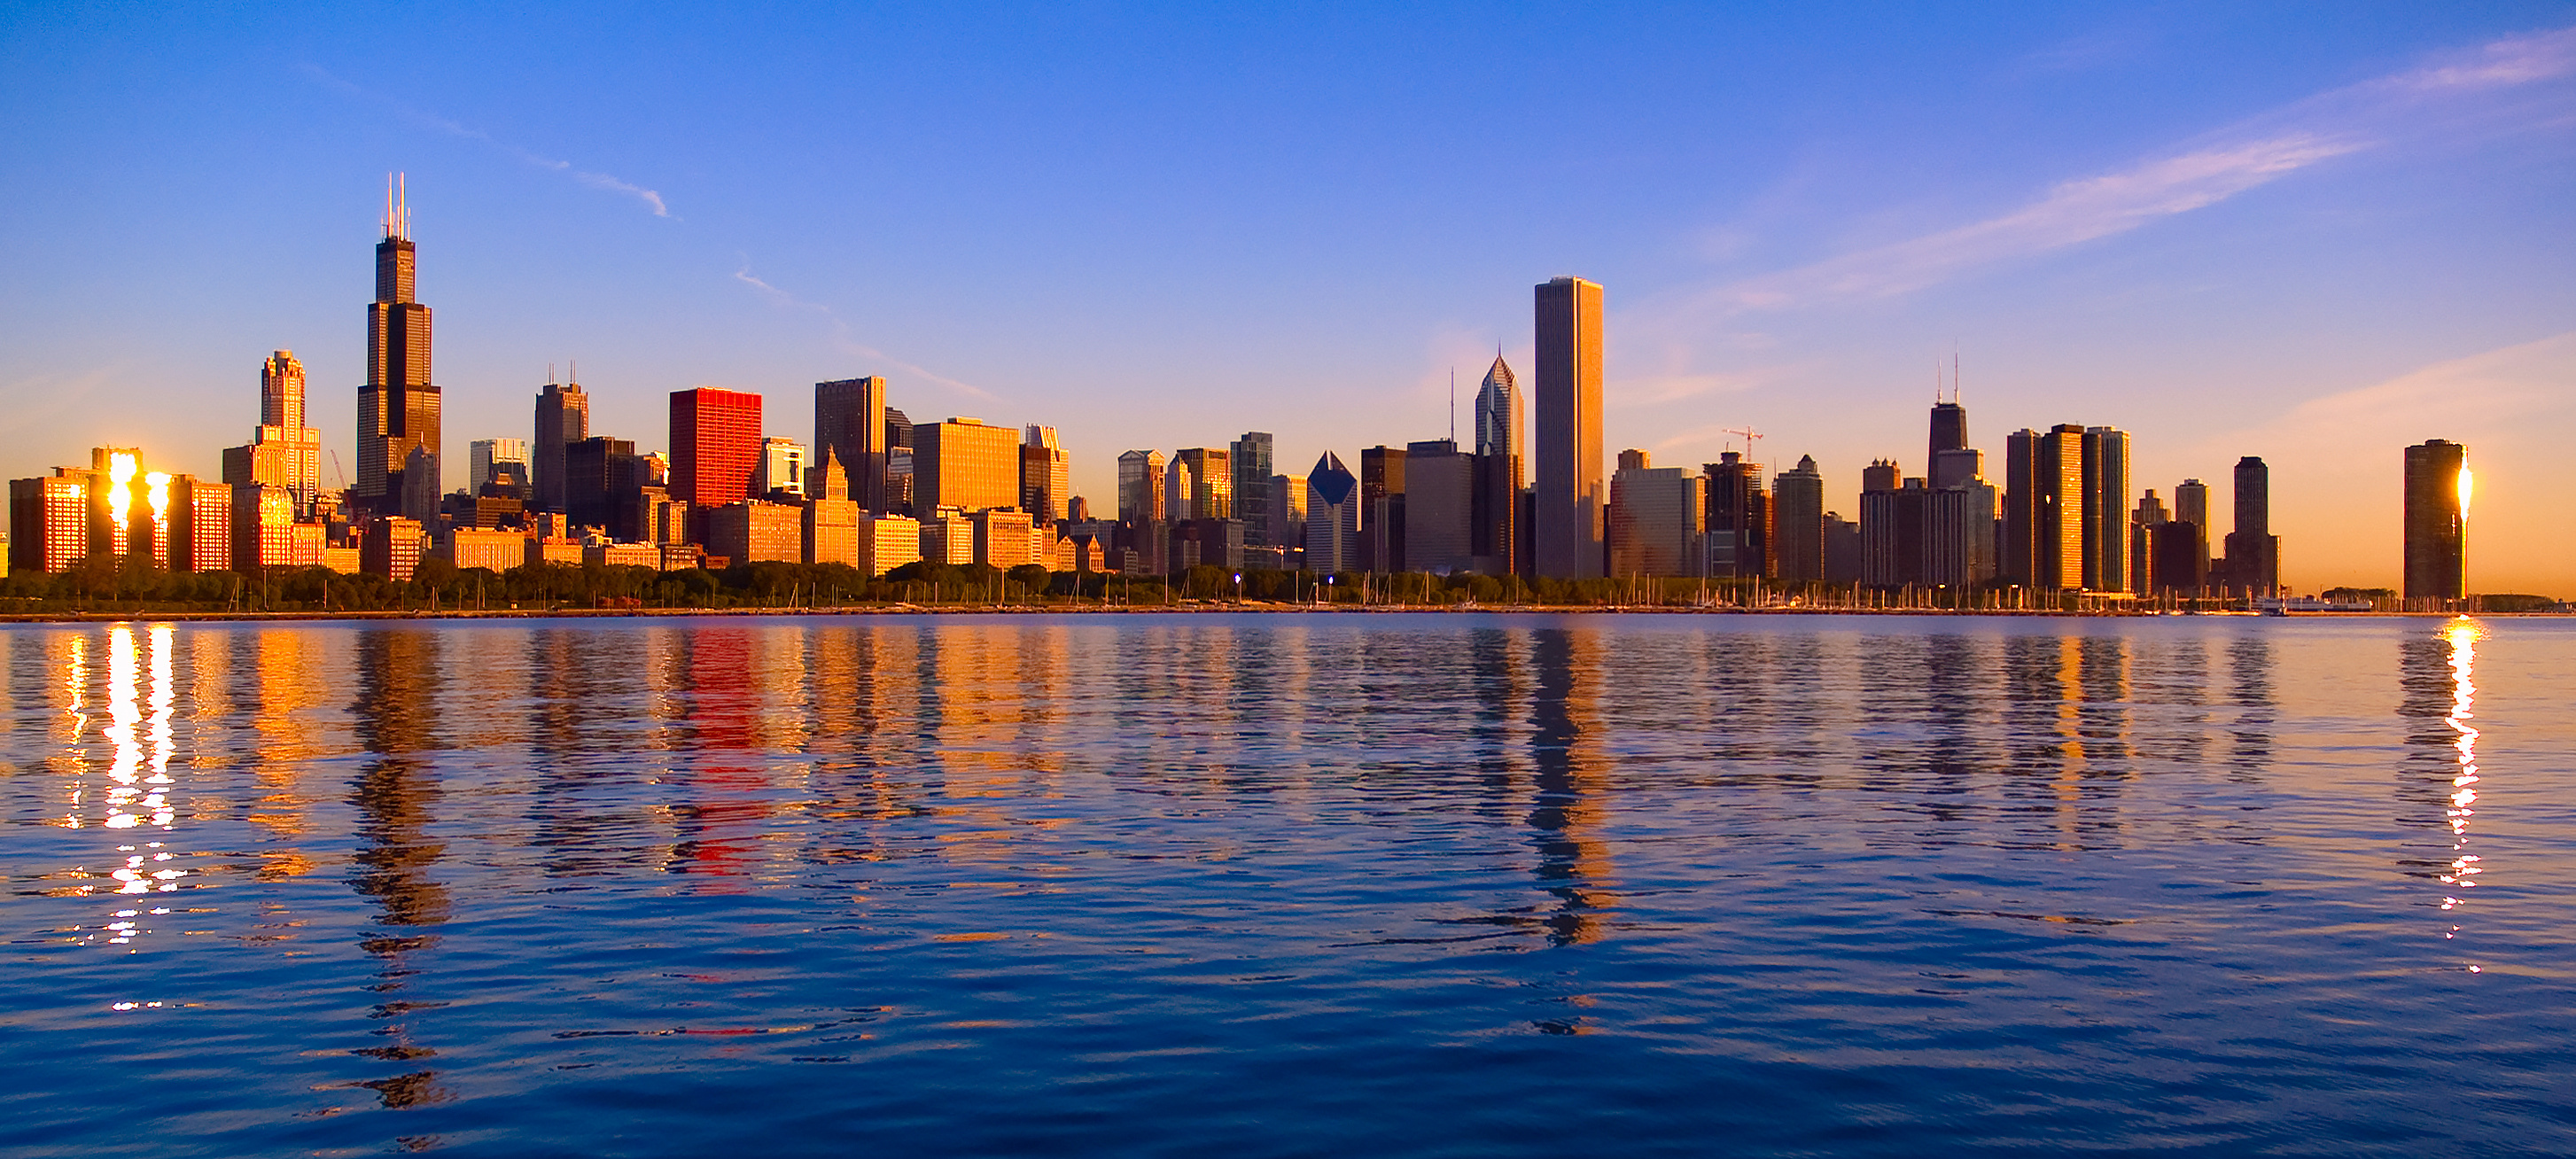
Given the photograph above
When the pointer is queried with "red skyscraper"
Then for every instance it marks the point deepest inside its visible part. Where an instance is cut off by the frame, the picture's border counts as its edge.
(715, 445)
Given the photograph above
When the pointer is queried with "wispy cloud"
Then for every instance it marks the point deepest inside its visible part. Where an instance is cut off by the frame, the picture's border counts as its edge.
(652, 199)
(2200, 173)
(842, 336)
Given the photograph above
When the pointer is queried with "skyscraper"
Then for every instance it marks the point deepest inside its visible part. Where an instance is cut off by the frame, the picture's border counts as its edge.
(1140, 487)
(1382, 488)
(965, 463)
(2044, 508)
(851, 428)
(1570, 493)
(563, 417)
(1046, 477)
(782, 468)
(2191, 506)
(2437, 521)
(1798, 522)
(1332, 517)
(1656, 519)
(1251, 457)
(398, 408)
(1439, 507)
(1498, 459)
(281, 408)
(1211, 488)
(2106, 509)
(488, 457)
(715, 445)
(1738, 518)
(2253, 552)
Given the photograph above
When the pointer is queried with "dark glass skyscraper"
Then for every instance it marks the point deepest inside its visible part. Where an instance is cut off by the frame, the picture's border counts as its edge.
(563, 418)
(850, 427)
(2253, 554)
(2437, 520)
(398, 406)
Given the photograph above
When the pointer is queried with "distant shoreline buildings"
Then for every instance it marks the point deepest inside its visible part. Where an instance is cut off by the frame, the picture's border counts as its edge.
(876, 491)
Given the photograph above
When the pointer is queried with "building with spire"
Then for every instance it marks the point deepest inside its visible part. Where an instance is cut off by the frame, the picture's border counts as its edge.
(851, 429)
(1497, 532)
(398, 407)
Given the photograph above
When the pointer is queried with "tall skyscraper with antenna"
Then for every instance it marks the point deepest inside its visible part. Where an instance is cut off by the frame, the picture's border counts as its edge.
(398, 408)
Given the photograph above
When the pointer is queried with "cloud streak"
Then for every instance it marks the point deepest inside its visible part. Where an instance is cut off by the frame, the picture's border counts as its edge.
(841, 334)
(2218, 166)
(652, 199)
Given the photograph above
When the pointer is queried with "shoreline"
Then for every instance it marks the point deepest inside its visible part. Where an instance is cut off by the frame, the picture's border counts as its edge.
(1186, 609)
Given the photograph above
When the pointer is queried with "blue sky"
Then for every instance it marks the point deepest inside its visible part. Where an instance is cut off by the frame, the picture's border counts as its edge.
(2313, 233)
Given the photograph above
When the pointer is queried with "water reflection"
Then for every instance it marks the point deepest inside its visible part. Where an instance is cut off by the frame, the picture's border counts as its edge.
(1567, 809)
(394, 795)
(2438, 676)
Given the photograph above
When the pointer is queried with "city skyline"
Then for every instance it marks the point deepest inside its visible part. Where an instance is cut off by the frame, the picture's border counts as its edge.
(1825, 322)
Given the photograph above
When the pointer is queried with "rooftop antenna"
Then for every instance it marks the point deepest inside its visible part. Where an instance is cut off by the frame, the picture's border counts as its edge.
(550, 374)
(572, 371)
(1954, 373)
(1453, 408)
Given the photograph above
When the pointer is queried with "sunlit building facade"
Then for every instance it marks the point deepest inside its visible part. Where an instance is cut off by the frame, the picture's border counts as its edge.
(715, 445)
(964, 463)
(1571, 492)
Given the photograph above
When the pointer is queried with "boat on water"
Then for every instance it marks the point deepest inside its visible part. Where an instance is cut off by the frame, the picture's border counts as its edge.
(2288, 604)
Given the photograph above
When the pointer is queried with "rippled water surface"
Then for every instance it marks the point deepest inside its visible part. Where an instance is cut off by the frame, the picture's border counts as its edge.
(1287, 885)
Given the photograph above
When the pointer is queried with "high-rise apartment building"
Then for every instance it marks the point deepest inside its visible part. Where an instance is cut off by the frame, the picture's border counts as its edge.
(964, 463)
(487, 458)
(851, 427)
(1893, 515)
(1332, 517)
(398, 408)
(1570, 488)
(2044, 508)
(715, 445)
(2437, 521)
(1140, 487)
(1250, 458)
(1046, 476)
(2106, 509)
(1798, 522)
(563, 418)
(1498, 459)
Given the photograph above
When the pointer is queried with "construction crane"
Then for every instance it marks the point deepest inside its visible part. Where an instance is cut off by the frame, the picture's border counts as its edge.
(343, 476)
(1749, 435)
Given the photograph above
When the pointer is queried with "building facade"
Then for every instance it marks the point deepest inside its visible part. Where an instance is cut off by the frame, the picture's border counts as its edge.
(1332, 522)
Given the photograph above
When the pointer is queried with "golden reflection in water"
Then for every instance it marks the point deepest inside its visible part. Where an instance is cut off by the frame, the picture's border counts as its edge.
(2462, 635)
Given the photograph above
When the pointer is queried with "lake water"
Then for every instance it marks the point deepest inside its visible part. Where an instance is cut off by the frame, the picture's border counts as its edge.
(1290, 885)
